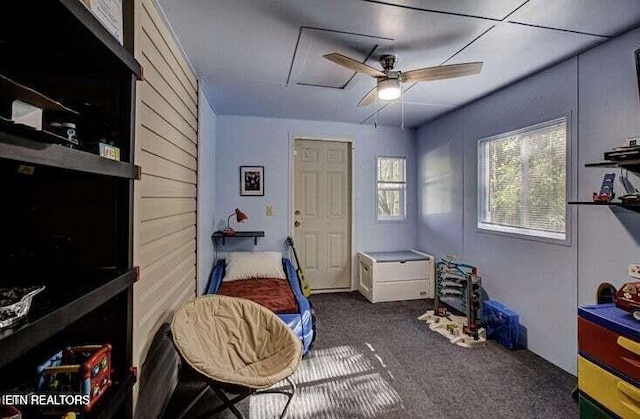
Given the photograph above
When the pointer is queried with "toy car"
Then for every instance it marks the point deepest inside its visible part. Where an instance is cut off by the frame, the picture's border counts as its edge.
(628, 299)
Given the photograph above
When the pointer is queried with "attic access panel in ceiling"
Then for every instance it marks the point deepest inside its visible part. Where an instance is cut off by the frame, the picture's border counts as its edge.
(309, 68)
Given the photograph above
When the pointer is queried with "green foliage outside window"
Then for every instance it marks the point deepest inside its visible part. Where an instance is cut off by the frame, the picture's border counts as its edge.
(523, 180)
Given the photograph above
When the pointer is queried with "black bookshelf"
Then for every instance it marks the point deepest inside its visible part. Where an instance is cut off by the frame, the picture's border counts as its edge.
(57, 309)
(111, 405)
(15, 144)
(95, 28)
(72, 215)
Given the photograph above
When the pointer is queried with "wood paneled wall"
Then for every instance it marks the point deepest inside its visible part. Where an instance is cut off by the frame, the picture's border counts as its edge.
(167, 150)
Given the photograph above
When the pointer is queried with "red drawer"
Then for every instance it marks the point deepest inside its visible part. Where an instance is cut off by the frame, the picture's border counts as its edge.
(609, 348)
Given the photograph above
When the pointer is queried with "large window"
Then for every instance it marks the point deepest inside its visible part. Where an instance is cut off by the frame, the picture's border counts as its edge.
(392, 188)
(522, 181)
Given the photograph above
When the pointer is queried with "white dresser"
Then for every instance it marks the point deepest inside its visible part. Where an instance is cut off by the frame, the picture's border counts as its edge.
(396, 276)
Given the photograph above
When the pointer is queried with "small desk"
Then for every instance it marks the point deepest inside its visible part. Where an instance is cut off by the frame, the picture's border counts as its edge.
(239, 235)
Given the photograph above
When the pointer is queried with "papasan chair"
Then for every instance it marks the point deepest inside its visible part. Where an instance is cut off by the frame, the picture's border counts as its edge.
(237, 346)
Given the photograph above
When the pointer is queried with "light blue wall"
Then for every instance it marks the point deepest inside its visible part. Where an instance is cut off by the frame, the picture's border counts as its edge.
(543, 282)
(206, 187)
(609, 113)
(268, 142)
(535, 279)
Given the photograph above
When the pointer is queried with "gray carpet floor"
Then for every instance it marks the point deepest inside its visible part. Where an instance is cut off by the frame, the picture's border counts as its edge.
(380, 361)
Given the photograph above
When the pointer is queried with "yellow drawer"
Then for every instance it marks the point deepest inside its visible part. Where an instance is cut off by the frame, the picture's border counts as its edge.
(610, 391)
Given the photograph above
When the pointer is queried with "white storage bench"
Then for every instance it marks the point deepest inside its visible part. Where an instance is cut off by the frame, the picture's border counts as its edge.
(396, 276)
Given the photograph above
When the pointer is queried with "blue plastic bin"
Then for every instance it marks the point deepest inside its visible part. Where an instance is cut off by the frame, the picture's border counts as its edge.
(502, 323)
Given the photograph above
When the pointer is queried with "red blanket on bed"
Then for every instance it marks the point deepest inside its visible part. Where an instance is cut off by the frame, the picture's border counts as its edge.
(274, 294)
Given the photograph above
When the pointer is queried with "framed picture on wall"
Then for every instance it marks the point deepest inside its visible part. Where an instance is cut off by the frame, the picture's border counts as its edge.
(251, 180)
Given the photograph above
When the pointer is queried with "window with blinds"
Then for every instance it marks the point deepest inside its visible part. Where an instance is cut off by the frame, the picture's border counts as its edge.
(392, 188)
(522, 181)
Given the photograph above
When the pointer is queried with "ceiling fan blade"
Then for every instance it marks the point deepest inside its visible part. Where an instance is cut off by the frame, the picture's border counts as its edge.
(369, 97)
(441, 72)
(354, 65)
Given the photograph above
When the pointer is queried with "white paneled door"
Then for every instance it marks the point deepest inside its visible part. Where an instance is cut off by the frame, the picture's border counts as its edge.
(322, 212)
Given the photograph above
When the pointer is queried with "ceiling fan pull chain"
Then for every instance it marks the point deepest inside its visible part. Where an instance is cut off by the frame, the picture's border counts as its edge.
(401, 108)
(375, 122)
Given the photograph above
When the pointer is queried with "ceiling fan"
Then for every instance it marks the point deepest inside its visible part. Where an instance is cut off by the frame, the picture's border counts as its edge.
(389, 82)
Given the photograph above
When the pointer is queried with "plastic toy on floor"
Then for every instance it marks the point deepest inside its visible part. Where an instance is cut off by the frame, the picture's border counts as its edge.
(454, 328)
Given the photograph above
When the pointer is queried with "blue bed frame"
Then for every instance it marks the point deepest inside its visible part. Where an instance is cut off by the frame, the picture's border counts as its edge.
(301, 323)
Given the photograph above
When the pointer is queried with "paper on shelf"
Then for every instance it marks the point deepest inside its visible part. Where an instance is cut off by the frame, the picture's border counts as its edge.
(24, 113)
(109, 13)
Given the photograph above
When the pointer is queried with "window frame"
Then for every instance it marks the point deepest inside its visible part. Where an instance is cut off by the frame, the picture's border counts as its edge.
(481, 185)
(403, 191)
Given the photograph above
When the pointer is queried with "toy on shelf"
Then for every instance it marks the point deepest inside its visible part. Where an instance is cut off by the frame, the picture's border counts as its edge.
(606, 194)
(82, 370)
(15, 304)
(628, 299)
(459, 287)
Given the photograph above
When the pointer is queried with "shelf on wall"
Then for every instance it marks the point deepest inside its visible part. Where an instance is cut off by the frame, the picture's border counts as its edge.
(10, 88)
(632, 164)
(635, 206)
(239, 235)
(55, 309)
(16, 144)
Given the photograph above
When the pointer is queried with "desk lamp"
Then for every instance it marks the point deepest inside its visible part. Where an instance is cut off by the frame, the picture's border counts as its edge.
(240, 217)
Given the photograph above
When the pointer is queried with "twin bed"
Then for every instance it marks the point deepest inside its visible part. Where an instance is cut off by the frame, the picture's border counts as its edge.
(269, 280)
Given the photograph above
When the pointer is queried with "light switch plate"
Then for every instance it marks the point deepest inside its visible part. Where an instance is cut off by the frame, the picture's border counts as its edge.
(269, 210)
(634, 270)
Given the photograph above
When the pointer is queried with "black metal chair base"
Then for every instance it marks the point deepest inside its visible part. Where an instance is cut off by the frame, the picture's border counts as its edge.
(229, 403)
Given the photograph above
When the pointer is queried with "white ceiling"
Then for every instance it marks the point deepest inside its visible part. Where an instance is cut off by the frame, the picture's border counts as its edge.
(264, 57)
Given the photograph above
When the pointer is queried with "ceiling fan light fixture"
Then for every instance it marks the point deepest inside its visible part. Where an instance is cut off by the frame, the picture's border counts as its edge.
(389, 89)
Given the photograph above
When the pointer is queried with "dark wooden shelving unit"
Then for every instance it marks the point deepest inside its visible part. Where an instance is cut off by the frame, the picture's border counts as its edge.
(103, 36)
(117, 395)
(50, 317)
(68, 212)
(20, 149)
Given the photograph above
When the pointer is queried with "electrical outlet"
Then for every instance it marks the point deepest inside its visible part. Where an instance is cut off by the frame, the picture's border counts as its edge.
(269, 210)
(634, 270)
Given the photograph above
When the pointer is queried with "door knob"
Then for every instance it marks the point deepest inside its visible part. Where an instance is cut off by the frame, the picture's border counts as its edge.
(297, 212)
(297, 224)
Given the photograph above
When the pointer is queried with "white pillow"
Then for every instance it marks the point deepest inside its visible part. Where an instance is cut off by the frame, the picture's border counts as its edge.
(248, 265)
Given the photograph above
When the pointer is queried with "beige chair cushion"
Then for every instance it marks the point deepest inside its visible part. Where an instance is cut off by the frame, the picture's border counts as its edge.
(235, 341)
